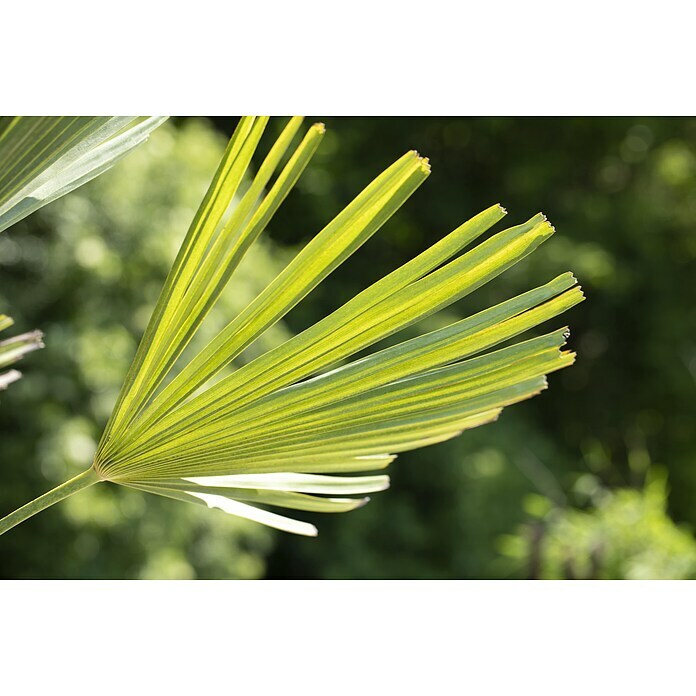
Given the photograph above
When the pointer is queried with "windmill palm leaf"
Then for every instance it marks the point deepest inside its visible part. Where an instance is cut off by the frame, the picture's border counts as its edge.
(45, 157)
(281, 430)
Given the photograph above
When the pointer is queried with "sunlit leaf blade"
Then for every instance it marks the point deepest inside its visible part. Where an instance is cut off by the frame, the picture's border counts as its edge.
(426, 352)
(284, 499)
(278, 490)
(453, 385)
(45, 157)
(310, 351)
(250, 512)
(338, 240)
(239, 509)
(284, 429)
(299, 483)
(160, 330)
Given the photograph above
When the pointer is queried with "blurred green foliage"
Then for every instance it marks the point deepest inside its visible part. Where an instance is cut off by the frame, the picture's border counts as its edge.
(625, 534)
(622, 195)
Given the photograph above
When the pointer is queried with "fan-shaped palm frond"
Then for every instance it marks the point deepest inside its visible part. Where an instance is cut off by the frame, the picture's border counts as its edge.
(15, 348)
(45, 157)
(283, 429)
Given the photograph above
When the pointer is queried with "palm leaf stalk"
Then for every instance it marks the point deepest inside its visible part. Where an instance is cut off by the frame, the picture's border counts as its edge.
(284, 429)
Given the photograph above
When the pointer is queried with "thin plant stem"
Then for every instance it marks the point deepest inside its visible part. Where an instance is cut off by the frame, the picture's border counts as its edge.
(83, 480)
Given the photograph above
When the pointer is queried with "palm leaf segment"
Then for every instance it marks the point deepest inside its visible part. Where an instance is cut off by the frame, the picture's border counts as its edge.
(278, 430)
(45, 157)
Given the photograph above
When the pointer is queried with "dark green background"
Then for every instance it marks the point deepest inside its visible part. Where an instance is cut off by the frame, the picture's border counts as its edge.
(594, 478)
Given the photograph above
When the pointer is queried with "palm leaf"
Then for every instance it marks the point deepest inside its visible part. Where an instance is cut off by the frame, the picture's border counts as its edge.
(45, 157)
(282, 429)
